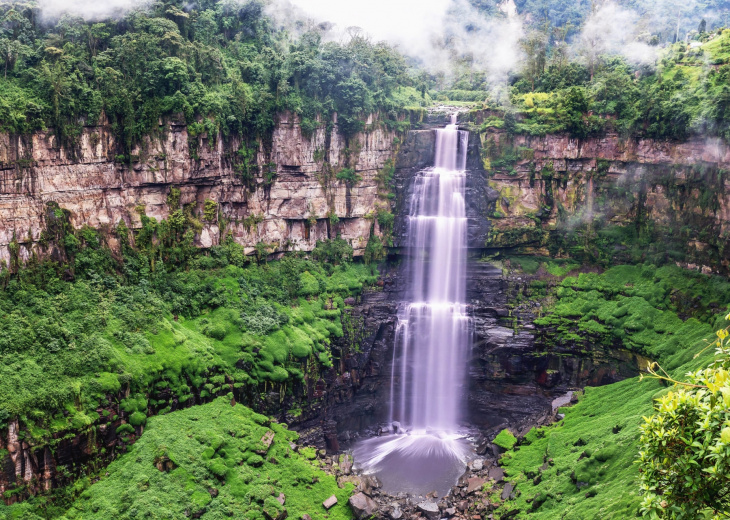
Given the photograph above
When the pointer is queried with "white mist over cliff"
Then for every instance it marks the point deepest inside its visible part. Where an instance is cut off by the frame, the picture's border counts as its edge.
(90, 9)
(435, 32)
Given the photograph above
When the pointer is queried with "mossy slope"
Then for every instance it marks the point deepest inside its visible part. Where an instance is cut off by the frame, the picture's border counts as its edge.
(214, 470)
(583, 467)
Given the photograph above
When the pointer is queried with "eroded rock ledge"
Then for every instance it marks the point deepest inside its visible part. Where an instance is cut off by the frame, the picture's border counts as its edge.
(100, 188)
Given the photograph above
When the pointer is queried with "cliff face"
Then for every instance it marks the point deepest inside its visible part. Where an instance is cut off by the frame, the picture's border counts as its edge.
(287, 204)
(550, 183)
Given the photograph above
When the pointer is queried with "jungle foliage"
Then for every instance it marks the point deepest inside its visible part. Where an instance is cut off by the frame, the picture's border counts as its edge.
(223, 67)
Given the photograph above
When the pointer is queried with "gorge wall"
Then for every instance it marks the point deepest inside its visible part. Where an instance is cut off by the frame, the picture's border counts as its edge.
(548, 186)
(289, 203)
(520, 192)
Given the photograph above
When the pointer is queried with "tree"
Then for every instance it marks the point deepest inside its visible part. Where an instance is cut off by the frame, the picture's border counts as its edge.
(535, 47)
(684, 457)
(702, 29)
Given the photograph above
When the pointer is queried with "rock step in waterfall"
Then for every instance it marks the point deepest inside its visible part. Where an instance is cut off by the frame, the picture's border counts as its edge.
(427, 450)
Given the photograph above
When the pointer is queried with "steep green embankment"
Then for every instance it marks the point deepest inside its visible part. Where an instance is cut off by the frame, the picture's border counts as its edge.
(209, 462)
(218, 467)
(104, 352)
(583, 466)
(69, 346)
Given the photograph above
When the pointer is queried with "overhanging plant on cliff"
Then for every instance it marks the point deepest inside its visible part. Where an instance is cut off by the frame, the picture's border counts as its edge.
(684, 456)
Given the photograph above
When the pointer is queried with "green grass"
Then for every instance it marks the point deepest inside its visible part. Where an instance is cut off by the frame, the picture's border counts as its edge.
(583, 466)
(217, 471)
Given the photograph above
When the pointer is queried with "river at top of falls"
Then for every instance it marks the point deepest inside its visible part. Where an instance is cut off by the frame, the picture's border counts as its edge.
(427, 450)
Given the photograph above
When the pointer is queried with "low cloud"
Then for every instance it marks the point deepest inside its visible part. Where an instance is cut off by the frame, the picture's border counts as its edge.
(438, 33)
(614, 30)
(89, 9)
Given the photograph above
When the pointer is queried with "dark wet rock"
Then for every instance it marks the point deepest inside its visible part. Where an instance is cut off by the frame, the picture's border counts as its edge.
(345, 464)
(474, 484)
(275, 514)
(266, 440)
(507, 491)
(496, 473)
(362, 506)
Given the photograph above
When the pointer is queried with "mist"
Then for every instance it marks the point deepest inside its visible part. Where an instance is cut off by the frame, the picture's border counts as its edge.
(436, 33)
(89, 9)
(614, 30)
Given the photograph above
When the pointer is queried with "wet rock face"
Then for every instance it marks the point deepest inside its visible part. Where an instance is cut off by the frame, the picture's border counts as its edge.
(516, 370)
(515, 373)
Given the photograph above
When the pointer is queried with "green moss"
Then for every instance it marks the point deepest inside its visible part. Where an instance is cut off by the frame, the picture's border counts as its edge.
(505, 439)
(590, 455)
(215, 473)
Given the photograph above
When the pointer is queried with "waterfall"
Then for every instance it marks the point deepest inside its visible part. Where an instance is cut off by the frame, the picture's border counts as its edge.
(433, 339)
(432, 335)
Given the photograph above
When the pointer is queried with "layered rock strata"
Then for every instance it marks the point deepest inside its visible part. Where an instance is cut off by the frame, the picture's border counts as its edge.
(290, 202)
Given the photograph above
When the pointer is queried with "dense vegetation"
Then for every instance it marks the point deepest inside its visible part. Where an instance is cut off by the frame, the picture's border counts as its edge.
(685, 93)
(130, 340)
(685, 446)
(219, 325)
(124, 341)
(222, 66)
(585, 465)
(207, 462)
(217, 467)
(579, 74)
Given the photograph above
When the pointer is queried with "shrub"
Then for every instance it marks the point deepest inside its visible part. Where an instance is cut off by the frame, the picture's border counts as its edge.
(684, 452)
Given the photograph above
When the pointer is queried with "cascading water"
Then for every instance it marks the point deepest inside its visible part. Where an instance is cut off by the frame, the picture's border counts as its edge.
(427, 451)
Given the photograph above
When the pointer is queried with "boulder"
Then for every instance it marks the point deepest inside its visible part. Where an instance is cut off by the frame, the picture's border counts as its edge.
(351, 479)
(474, 484)
(507, 491)
(346, 464)
(266, 440)
(330, 502)
(496, 474)
(430, 510)
(362, 506)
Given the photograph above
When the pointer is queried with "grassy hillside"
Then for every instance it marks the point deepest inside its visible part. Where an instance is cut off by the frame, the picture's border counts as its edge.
(208, 462)
(584, 466)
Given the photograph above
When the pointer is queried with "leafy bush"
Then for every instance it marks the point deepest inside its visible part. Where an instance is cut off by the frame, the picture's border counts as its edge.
(684, 452)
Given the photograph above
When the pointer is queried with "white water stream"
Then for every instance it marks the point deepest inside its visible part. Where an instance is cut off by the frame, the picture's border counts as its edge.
(433, 338)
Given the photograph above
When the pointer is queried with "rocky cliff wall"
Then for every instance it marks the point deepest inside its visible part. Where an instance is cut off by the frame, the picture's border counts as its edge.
(288, 203)
(538, 188)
